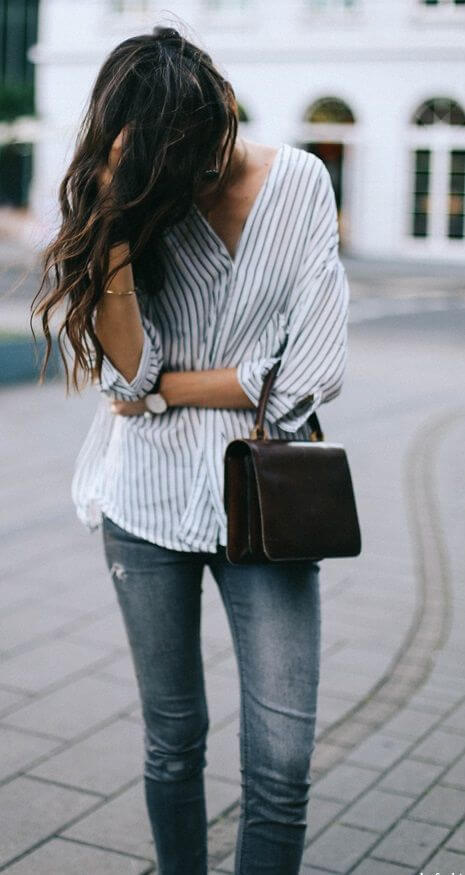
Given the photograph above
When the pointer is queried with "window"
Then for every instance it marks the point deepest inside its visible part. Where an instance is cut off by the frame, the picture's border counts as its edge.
(456, 194)
(437, 188)
(437, 110)
(443, 2)
(420, 213)
(329, 109)
(330, 5)
(242, 112)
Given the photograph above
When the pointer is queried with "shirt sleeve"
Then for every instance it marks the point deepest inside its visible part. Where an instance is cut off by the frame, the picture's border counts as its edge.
(112, 382)
(314, 356)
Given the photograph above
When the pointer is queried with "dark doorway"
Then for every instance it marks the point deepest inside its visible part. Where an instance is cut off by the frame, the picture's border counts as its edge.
(332, 155)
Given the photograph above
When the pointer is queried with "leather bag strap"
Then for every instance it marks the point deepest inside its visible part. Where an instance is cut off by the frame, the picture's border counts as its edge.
(258, 430)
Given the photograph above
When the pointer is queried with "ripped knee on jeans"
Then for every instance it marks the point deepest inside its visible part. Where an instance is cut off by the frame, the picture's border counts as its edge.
(118, 571)
(174, 768)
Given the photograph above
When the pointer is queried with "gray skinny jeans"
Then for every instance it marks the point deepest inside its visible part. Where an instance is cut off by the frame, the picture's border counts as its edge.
(274, 616)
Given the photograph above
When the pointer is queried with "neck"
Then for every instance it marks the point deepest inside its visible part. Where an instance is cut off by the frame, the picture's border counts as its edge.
(238, 159)
(238, 167)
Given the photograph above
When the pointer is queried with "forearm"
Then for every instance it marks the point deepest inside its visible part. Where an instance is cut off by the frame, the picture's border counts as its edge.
(118, 323)
(218, 387)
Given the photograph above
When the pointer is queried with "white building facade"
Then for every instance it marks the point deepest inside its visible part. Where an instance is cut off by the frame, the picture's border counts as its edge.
(375, 87)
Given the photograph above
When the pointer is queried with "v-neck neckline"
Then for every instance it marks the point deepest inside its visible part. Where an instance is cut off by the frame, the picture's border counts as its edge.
(250, 216)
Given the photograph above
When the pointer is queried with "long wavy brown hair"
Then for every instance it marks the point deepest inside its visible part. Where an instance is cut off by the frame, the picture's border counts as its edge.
(180, 117)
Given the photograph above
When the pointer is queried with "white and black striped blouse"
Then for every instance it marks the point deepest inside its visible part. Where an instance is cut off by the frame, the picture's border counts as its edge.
(285, 291)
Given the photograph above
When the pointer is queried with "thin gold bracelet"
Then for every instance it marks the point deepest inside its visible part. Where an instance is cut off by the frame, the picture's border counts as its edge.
(113, 292)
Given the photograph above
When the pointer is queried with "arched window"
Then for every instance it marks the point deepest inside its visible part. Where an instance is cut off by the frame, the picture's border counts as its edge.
(438, 170)
(443, 2)
(243, 114)
(437, 110)
(329, 109)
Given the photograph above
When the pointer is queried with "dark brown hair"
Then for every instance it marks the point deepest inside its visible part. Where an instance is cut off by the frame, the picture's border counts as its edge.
(180, 117)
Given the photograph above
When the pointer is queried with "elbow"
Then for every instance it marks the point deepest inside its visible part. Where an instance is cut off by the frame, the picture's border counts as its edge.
(333, 384)
(115, 384)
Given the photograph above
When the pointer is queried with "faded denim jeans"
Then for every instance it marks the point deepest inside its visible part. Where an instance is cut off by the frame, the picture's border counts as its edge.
(273, 612)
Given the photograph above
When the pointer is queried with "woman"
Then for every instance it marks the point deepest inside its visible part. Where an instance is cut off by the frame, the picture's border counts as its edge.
(190, 259)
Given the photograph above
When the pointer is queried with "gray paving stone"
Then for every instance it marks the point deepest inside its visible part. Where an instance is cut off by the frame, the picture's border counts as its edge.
(227, 865)
(30, 622)
(376, 810)
(379, 751)
(312, 870)
(32, 810)
(410, 777)
(457, 841)
(223, 753)
(225, 666)
(457, 719)
(215, 626)
(339, 848)
(326, 755)
(102, 762)
(88, 588)
(331, 708)
(120, 668)
(12, 598)
(359, 658)
(369, 866)
(440, 746)
(72, 858)
(339, 682)
(437, 702)
(107, 630)
(410, 842)
(8, 699)
(320, 812)
(74, 708)
(344, 782)
(121, 824)
(220, 795)
(222, 697)
(408, 723)
(456, 774)
(441, 805)
(19, 749)
(445, 862)
(48, 663)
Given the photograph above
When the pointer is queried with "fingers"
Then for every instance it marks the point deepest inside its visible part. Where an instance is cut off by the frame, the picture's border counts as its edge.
(128, 408)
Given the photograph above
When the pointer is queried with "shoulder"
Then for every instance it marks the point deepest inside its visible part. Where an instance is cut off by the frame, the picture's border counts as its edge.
(310, 164)
(311, 181)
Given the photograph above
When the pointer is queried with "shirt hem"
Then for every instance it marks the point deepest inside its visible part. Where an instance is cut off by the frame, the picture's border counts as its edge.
(197, 546)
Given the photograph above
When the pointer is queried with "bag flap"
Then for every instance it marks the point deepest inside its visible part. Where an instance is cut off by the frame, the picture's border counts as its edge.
(306, 497)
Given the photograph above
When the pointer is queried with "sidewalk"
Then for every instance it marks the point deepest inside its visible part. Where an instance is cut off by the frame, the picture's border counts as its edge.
(389, 767)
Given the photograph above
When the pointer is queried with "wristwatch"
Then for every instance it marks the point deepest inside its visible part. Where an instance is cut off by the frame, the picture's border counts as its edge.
(155, 401)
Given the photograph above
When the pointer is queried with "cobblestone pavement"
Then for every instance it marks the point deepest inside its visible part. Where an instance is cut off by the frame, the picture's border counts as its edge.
(388, 794)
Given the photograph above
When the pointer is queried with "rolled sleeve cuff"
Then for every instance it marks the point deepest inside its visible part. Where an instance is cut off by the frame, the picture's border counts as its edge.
(286, 411)
(112, 380)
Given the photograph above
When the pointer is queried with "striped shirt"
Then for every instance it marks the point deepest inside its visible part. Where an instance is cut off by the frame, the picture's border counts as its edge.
(284, 294)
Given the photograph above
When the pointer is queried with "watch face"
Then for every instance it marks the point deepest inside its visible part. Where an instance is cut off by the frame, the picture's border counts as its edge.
(155, 403)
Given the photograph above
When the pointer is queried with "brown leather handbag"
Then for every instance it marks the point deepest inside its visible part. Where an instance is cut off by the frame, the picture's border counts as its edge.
(288, 499)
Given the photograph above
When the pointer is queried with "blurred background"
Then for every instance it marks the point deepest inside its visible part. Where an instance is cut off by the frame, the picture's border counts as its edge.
(377, 90)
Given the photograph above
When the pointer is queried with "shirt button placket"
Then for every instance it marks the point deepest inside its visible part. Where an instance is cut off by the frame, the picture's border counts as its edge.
(213, 324)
